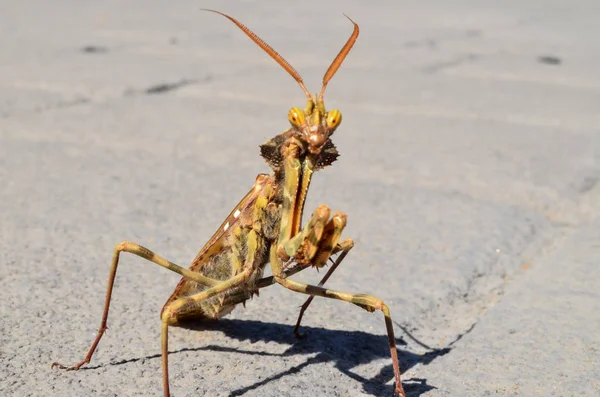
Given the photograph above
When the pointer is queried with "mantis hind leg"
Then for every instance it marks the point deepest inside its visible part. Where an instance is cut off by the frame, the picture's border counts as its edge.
(171, 316)
(170, 313)
(173, 310)
(145, 253)
(367, 302)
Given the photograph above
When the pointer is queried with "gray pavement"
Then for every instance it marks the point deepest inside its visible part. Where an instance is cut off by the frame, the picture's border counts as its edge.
(469, 170)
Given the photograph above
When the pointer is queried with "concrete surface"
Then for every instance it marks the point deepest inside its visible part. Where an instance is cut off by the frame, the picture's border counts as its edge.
(469, 170)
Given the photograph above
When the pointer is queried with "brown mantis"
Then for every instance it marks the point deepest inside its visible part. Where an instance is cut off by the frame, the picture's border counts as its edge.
(265, 227)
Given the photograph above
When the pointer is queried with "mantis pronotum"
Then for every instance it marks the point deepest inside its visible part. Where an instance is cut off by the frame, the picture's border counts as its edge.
(265, 227)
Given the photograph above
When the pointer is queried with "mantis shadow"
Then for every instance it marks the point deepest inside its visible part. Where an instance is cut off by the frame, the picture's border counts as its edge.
(347, 349)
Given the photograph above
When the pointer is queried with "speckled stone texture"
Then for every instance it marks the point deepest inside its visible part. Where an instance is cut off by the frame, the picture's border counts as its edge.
(469, 169)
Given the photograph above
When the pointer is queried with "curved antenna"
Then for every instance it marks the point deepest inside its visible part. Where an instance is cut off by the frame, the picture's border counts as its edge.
(337, 62)
(269, 50)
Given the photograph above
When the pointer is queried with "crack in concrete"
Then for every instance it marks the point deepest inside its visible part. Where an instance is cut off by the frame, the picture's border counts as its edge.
(160, 88)
(436, 67)
(166, 87)
(47, 107)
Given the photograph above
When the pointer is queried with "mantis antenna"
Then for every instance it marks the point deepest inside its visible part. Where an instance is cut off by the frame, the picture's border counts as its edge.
(335, 65)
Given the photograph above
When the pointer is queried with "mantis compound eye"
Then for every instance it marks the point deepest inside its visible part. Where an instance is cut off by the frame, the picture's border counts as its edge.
(296, 117)
(334, 118)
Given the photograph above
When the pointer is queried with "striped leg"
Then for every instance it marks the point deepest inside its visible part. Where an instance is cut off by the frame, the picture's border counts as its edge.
(344, 247)
(169, 316)
(172, 311)
(367, 302)
(146, 254)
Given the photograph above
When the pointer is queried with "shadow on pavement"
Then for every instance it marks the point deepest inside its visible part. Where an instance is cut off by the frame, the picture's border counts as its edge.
(347, 349)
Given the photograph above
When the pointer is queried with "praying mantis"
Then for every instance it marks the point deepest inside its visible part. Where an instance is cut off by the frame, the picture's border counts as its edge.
(265, 228)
